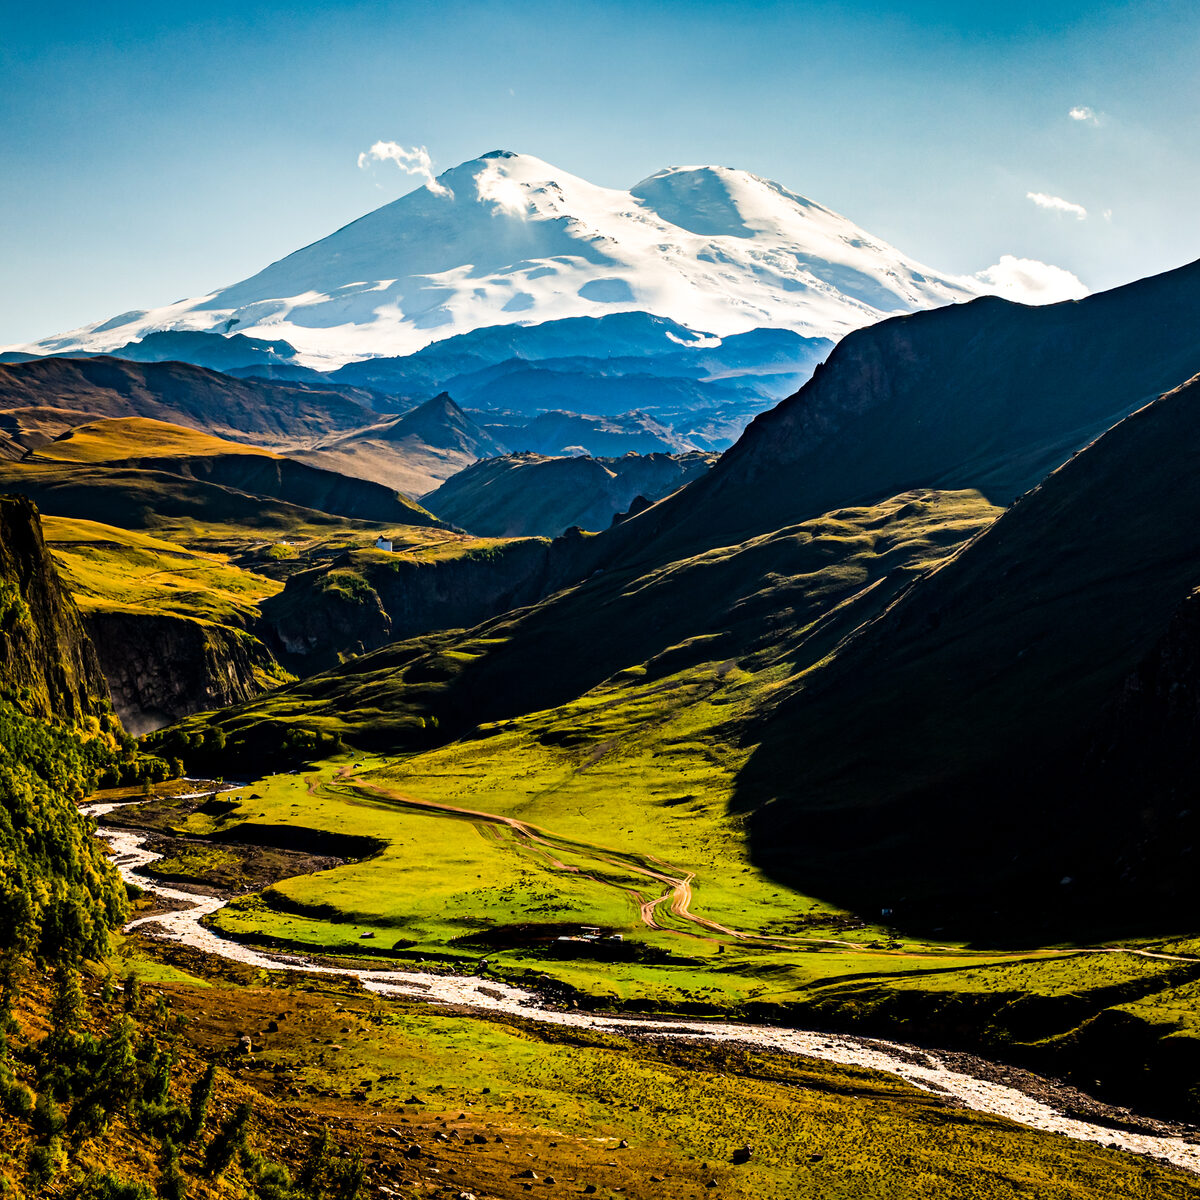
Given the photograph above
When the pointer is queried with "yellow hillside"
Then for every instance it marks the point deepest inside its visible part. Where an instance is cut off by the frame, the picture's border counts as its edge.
(121, 438)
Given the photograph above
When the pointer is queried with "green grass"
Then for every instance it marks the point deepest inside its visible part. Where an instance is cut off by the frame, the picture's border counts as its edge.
(114, 569)
(562, 1102)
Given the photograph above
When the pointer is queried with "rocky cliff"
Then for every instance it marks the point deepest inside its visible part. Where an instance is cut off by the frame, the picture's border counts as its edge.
(162, 667)
(364, 599)
(47, 665)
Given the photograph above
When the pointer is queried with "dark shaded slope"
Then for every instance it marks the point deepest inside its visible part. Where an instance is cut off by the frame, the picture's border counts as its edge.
(47, 664)
(266, 413)
(956, 759)
(988, 394)
(135, 498)
(521, 495)
(296, 484)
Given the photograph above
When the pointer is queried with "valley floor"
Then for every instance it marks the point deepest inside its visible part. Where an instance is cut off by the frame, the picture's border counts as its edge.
(831, 963)
(439, 1101)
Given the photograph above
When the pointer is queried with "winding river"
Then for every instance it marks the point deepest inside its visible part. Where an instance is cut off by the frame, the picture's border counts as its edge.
(918, 1066)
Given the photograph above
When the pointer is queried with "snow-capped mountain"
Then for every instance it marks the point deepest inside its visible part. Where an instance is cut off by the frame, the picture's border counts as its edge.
(507, 238)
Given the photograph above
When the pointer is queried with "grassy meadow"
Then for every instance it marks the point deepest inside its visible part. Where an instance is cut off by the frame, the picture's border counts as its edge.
(498, 1108)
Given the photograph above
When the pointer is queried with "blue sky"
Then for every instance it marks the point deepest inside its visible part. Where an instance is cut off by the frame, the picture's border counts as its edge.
(154, 151)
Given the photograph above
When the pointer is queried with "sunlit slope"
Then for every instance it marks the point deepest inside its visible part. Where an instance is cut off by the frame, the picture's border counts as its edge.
(119, 569)
(977, 701)
(412, 453)
(125, 466)
(134, 443)
(797, 590)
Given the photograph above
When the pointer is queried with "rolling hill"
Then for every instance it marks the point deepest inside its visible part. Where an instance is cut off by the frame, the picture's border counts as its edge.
(136, 444)
(244, 410)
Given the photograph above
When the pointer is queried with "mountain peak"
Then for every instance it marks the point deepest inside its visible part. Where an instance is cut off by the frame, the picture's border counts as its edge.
(508, 239)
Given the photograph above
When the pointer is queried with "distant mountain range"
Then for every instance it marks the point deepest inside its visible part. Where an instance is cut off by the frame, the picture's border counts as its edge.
(507, 239)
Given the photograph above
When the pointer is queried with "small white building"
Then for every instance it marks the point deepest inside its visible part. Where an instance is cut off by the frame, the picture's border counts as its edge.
(382, 543)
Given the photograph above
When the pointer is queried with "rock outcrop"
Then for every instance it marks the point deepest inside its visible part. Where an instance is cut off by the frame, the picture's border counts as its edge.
(162, 667)
(365, 599)
(47, 665)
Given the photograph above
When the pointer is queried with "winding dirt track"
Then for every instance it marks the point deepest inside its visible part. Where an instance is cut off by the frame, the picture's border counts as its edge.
(677, 894)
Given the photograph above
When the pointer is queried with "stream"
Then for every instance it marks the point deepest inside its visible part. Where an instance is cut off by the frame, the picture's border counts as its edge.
(916, 1065)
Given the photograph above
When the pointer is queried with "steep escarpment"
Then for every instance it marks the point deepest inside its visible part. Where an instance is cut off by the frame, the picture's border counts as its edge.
(161, 667)
(367, 598)
(47, 664)
(524, 495)
(989, 395)
(1022, 715)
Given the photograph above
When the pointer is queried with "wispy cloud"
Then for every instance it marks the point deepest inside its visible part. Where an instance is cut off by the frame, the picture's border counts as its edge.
(1031, 282)
(1083, 112)
(1057, 204)
(412, 160)
(491, 184)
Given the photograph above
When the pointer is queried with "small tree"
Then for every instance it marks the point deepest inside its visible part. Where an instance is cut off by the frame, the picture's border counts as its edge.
(227, 1142)
(202, 1090)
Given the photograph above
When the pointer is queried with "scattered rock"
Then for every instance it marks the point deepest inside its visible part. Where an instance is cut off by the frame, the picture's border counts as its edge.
(478, 1139)
(712, 1183)
(529, 1173)
(742, 1155)
(413, 1151)
(622, 1145)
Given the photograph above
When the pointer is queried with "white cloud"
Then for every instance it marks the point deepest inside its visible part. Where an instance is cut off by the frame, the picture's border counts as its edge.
(1057, 204)
(412, 160)
(492, 184)
(1031, 282)
(1083, 112)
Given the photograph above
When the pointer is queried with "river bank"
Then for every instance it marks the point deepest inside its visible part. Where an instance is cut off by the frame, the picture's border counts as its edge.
(962, 1079)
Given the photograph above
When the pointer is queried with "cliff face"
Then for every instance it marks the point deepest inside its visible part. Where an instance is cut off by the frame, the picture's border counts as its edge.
(365, 599)
(161, 667)
(47, 664)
